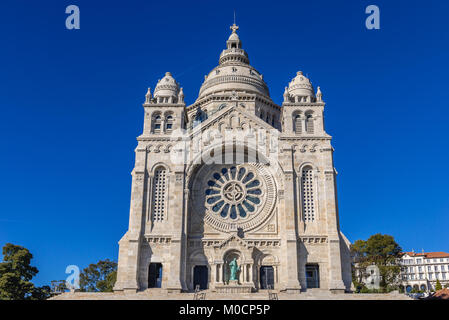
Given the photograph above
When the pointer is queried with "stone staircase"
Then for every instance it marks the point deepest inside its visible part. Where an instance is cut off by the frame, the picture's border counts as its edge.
(161, 294)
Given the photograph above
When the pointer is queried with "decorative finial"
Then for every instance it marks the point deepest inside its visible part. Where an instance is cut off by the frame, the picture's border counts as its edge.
(181, 96)
(234, 28)
(319, 95)
(148, 96)
(286, 94)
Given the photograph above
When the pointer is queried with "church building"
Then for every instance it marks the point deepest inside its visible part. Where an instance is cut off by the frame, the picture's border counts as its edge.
(234, 193)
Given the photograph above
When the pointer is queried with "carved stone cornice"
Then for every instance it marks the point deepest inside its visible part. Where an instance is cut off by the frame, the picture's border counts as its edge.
(313, 239)
(158, 239)
(303, 104)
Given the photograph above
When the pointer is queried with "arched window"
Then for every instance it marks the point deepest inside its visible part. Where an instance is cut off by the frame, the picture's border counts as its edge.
(307, 194)
(168, 123)
(297, 128)
(309, 123)
(159, 194)
(156, 123)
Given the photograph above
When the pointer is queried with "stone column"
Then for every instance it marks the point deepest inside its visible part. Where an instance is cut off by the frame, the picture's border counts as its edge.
(335, 271)
(251, 279)
(275, 274)
(244, 270)
(220, 274)
(213, 277)
(217, 273)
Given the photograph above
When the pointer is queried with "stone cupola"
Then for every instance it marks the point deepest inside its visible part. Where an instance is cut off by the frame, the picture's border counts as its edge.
(300, 89)
(167, 90)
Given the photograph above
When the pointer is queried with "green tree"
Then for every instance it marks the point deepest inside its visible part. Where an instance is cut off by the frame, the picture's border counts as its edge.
(16, 273)
(381, 250)
(438, 285)
(99, 277)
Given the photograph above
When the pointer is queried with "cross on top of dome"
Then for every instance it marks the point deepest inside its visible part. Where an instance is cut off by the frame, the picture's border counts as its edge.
(234, 28)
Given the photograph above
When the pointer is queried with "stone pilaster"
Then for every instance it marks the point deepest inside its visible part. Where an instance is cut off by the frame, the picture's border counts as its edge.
(290, 239)
(335, 271)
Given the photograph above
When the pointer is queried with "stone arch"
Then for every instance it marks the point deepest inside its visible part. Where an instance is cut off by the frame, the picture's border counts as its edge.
(268, 259)
(274, 166)
(156, 121)
(228, 256)
(169, 120)
(233, 252)
(159, 164)
(306, 164)
(159, 184)
(234, 121)
(309, 121)
(198, 256)
(308, 192)
(221, 127)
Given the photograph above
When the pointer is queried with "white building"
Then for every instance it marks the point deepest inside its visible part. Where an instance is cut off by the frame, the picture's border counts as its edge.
(421, 270)
(234, 176)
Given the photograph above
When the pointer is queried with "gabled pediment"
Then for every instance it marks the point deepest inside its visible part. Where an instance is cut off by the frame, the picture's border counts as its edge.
(233, 239)
(232, 118)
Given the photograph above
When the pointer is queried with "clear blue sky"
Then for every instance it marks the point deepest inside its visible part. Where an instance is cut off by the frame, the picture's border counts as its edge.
(71, 109)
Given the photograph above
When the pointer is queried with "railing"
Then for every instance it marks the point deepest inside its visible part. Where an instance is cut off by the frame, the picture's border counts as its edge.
(272, 295)
(199, 295)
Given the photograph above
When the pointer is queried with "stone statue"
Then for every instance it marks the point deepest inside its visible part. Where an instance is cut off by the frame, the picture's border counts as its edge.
(234, 269)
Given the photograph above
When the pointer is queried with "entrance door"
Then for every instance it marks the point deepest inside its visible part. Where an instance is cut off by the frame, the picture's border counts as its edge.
(155, 275)
(200, 277)
(312, 276)
(266, 277)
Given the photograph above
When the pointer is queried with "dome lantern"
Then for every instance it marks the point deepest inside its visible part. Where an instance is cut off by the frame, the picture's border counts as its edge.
(234, 40)
(233, 71)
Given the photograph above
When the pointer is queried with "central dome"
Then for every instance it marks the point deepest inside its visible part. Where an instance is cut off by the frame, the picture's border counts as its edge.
(234, 73)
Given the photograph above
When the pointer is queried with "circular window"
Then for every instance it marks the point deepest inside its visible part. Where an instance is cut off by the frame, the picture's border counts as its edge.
(233, 192)
(231, 196)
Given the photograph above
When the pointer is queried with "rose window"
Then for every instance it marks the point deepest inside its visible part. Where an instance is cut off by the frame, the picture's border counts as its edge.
(233, 192)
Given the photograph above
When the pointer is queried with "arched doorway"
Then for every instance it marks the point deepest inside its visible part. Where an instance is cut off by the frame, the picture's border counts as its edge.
(312, 276)
(266, 277)
(423, 287)
(155, 275)
(408, 288)
(200, 277)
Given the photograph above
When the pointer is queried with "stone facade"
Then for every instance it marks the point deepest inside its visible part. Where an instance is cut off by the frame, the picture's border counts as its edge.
(234, 175)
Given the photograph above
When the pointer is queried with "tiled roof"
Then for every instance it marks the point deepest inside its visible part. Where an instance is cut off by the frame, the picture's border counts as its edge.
(428, 254)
